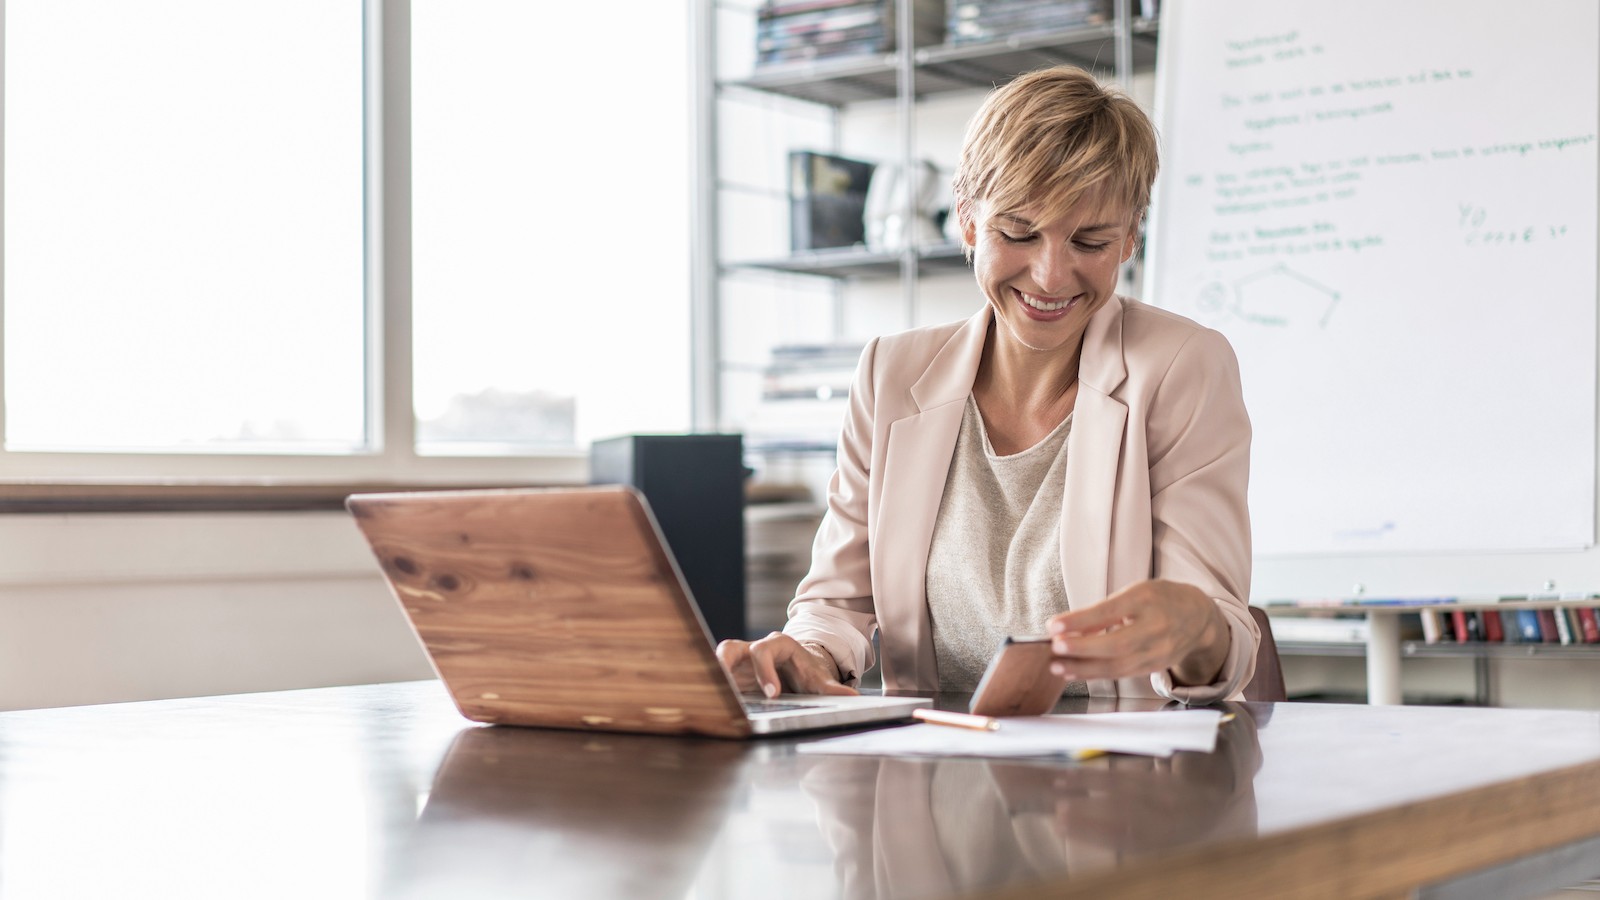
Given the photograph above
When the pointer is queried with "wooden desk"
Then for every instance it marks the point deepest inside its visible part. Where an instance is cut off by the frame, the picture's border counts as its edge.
(383, 791)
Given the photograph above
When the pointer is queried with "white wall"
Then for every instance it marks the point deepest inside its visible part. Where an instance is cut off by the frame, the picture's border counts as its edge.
(105, 608)
(102, 608)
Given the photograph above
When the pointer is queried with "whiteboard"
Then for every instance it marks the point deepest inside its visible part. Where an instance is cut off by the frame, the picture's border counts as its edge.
(1390, 210)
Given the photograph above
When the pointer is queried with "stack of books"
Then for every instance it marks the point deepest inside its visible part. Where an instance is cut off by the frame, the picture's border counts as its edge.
(804, 394)
(1561, 625)
(973, 21)
(810, 371)
(799, 30)
(777, 554)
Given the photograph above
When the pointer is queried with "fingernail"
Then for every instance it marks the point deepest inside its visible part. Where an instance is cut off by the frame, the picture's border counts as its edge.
(1057, 628)
(1058, 669)
(1059, 648)
(771, 690)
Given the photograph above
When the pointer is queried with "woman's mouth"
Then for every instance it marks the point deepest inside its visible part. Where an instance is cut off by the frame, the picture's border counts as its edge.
(1045, 307)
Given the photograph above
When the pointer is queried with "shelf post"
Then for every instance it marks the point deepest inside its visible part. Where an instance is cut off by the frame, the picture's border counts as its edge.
(1383, 659)
(1122, 38)
(906, 109)
(705, 341)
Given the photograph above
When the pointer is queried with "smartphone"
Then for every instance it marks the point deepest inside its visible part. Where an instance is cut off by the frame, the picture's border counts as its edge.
(1018, 681)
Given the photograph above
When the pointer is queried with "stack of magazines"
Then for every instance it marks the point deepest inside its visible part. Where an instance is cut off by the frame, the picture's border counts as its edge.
(973, 21)
(799, 30)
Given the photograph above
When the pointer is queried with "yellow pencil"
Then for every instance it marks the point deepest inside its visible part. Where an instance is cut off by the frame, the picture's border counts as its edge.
(957, 720)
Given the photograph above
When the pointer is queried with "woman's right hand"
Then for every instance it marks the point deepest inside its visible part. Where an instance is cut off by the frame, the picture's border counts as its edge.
(779, 663)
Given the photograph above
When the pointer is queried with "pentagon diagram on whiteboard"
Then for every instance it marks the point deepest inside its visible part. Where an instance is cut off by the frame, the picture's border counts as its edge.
(1280, 297)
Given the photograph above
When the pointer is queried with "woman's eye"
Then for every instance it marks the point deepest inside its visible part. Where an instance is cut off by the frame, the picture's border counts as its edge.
(1091, 248)
(1016, 238)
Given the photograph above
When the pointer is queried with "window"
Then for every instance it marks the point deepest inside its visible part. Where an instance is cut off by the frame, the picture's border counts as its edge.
(183, 223)
(203, 271)
(550, 162)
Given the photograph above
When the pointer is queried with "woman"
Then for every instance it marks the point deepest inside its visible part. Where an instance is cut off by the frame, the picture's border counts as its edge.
(1067, 461)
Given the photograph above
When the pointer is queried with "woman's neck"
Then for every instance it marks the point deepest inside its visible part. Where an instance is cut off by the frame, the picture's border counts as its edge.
(1024, 379)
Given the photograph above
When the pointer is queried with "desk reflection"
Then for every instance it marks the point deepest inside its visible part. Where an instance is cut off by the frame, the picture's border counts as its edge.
(517, 812)
(906, 827)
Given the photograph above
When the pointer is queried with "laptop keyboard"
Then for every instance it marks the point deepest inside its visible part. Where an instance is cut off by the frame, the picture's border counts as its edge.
(769, 706)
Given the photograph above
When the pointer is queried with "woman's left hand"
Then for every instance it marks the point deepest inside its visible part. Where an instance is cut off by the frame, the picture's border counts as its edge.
(1147, 627)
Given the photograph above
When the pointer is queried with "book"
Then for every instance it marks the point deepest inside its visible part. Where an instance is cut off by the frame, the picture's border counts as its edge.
(1528, 626)
(855, 14)
(824, 29)
(821, 40)
(772, 9)
(1547, 626)
(1462, 631)
(1474, 626)
(1447, 628)
(1563, 626)
(1431, 629)
(824, 51)
(1493, 628)
(976, 22)
(1512, 627)
(1589, 624)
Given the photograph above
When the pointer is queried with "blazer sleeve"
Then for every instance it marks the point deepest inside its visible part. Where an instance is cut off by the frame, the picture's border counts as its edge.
(1199, 444)
(833, 605)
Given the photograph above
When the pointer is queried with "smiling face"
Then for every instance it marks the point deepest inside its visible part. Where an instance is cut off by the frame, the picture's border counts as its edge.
(1055, 171)
(1046, 276)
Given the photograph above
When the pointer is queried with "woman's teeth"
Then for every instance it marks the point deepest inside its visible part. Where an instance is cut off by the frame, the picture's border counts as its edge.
(1042, 305)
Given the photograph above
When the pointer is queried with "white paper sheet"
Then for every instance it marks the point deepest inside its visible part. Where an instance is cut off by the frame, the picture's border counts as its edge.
(1141, 733)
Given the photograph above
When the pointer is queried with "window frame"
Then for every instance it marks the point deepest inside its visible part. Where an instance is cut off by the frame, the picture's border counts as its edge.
(390, 454)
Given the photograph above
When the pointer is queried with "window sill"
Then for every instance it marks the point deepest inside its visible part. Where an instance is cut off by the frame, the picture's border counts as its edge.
(199, 496)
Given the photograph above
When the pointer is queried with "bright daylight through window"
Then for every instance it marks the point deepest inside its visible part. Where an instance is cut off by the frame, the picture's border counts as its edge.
(550, 170)
(183, 225)
(185, 241)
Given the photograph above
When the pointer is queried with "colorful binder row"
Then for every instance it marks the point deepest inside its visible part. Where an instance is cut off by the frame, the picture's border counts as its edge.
(1560, 625)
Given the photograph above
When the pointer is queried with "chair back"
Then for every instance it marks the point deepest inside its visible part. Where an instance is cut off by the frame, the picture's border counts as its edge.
(1267, 683)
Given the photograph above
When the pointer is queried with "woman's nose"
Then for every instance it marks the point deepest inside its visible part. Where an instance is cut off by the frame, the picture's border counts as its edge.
(1052, 271)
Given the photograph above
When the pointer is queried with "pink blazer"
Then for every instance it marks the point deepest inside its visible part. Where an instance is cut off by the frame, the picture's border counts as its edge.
(1158, 461)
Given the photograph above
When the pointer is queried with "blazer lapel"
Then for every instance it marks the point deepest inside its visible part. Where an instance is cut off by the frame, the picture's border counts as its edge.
(916, 464)
(1094, 448)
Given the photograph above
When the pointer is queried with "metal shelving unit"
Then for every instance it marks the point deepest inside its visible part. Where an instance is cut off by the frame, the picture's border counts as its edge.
(950, 67)
(1443, 650)
(906, 76)
(855, 262)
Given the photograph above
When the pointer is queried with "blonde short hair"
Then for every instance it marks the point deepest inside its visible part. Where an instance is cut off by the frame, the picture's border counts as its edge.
(1053, 137)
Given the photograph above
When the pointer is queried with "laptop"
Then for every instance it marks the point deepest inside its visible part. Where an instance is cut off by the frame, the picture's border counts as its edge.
(564, 608)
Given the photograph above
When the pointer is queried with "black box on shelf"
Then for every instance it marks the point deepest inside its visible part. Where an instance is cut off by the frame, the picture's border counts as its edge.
(827, 200)
(695, 486)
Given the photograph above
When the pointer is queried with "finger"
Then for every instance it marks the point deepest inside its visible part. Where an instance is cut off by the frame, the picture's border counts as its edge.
(734, 657)
(765, 656)
(732, 652)
(833, 687)
(1123, 665)
(1109, 613)
(1087, 670)
(1130, 640)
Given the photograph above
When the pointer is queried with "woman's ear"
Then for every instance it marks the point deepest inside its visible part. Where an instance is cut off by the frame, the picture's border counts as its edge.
(1132, 242)
(969, 225)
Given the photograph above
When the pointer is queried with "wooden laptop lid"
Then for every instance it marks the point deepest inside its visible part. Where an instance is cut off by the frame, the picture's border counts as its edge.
(554, 607)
